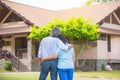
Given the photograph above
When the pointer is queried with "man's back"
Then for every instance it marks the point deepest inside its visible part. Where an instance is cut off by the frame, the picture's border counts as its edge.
(48, 46)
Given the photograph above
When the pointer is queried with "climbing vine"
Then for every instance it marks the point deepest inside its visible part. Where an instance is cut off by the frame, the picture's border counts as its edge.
(73, 28)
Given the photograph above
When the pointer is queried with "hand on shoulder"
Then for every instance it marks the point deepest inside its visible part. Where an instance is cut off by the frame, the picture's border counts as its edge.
(70, 46)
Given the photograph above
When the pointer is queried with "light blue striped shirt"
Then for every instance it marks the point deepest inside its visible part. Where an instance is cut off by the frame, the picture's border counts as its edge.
(49, 45)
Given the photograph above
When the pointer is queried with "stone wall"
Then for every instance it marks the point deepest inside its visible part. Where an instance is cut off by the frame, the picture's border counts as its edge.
(35, 65)
(2, 63)
(35, 61)
(96, 64)
(115, 66)
(86, 65)
(99, 63)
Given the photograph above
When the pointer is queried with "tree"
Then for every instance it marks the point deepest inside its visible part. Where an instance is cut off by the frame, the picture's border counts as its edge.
(74, 29)
(102, 1)
(90, 2)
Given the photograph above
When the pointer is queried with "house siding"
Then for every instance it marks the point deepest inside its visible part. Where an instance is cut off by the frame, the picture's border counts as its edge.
(89, 53)
(115, 50)
(112, 58)
(102, 49)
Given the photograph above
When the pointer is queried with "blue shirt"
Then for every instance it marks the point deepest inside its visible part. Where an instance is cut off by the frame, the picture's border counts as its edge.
(65, 59)
(49, 45)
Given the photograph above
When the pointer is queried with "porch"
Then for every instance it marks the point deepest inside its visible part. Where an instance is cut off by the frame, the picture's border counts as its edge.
(15, 49)
(18, 63)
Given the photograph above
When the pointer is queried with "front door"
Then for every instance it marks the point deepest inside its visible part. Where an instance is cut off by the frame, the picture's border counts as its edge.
(20, 46)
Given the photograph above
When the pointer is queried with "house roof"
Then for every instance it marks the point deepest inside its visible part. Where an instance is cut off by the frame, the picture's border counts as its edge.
(96, 12)
(39, 16)
(14, 30)
(109, 31)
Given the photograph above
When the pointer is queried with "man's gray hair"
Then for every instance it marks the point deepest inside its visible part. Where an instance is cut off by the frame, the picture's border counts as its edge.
(55, 32)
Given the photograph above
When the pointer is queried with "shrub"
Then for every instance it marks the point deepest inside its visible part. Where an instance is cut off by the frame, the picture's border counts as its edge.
(8, 65)
(102, 66)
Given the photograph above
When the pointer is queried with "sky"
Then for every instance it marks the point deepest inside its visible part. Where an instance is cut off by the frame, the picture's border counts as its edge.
(53, 4)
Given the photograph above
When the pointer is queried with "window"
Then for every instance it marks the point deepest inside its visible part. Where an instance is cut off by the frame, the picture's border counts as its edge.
(109, 43)
(13, 18)
(102, 37)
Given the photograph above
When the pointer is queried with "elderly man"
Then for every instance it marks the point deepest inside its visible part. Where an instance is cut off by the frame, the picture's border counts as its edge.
(47, 47)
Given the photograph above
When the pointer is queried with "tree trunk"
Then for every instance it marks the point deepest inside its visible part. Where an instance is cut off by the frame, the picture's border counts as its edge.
(81, 50)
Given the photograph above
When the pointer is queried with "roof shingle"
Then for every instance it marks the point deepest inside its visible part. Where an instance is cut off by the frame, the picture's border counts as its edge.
(40, 16)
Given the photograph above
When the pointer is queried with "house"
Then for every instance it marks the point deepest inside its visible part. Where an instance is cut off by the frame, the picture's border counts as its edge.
(16, 20)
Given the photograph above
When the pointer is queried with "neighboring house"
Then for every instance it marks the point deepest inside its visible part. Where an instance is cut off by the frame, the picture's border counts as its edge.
(16, 20)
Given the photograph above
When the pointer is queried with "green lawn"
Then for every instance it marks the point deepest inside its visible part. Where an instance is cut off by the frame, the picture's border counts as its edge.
(97, 75)
(3, 70)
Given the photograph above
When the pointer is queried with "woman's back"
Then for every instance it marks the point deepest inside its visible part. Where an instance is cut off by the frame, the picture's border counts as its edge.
(65, 58)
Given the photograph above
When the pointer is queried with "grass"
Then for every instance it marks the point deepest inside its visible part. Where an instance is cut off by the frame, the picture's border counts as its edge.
(96, 75)
(3, 70)
(11, 75)
(19, 76)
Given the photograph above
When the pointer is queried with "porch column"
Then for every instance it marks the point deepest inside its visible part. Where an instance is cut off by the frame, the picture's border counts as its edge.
(29, 54)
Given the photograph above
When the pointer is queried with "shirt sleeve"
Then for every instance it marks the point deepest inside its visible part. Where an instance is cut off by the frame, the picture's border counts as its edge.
(72, 50)
(40, 50)
(61, 45)
(58, 52)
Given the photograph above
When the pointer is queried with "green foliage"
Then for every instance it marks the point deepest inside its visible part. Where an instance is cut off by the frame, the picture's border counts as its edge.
(73, 28)
(89, 2)
(44, 31)
(102, 1)
(89, 46)
(102, 67)
(8, 65)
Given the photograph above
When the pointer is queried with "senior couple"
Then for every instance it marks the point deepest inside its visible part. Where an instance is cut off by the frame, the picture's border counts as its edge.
(56, 55)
